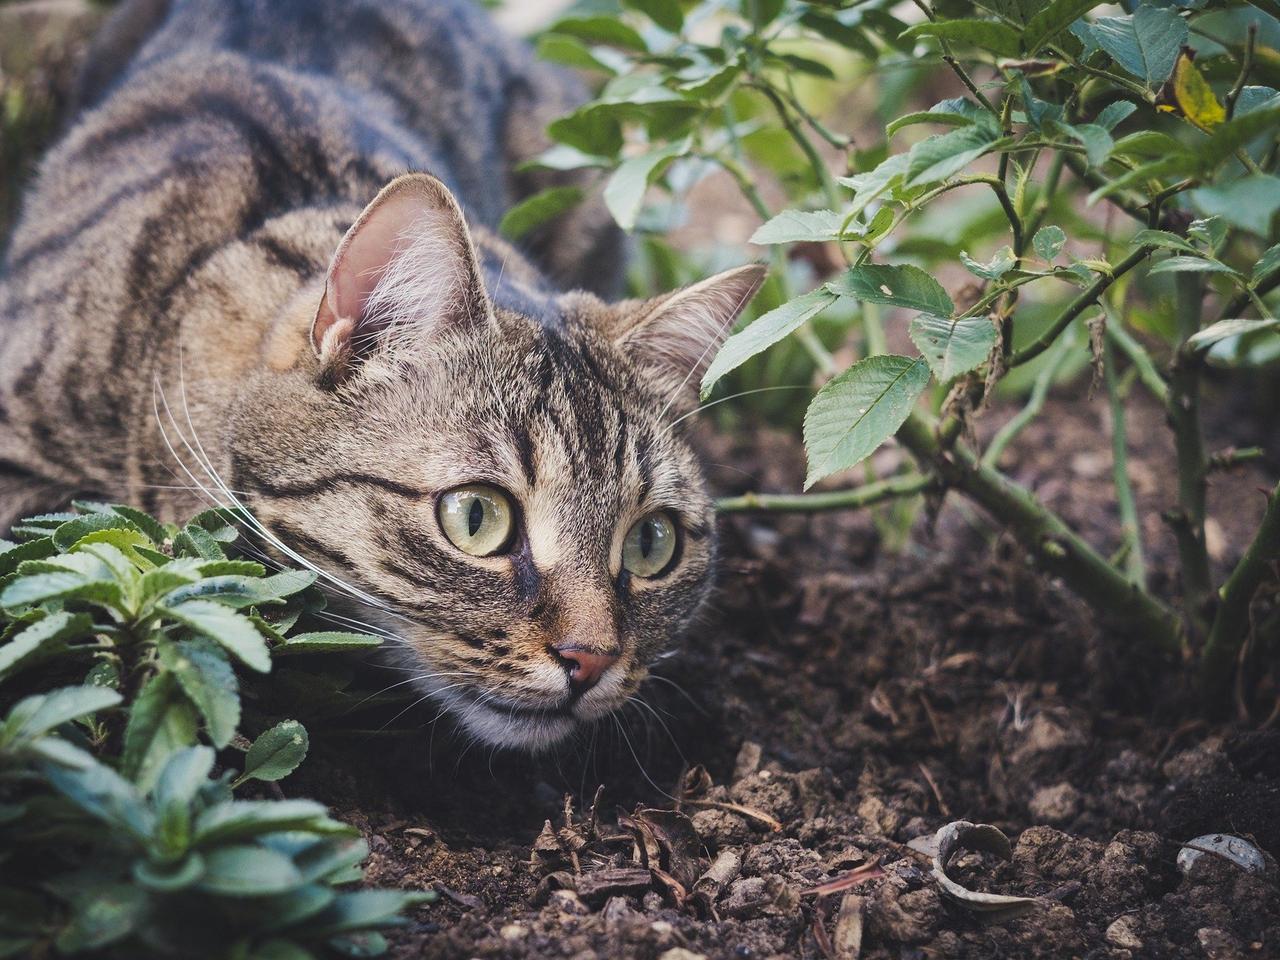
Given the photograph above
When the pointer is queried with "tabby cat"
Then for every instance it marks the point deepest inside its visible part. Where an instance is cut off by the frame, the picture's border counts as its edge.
(230, 284)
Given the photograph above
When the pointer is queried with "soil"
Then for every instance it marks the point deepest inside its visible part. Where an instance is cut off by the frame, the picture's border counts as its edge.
(842, 702)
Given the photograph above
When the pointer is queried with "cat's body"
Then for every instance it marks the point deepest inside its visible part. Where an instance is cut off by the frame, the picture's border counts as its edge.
(173, 283)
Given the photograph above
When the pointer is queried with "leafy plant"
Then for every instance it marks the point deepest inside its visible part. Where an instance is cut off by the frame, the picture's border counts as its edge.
(1167, 115)
(117, 833)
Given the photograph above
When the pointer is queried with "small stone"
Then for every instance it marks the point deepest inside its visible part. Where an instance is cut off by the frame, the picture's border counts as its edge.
(567, 901)
(513, 931)
(748, 761)
(1222, 845)
(1123, 933)
(1056, 804)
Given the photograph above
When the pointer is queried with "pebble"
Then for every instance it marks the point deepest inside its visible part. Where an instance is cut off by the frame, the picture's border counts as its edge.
(1123, 933)
(1241, 852)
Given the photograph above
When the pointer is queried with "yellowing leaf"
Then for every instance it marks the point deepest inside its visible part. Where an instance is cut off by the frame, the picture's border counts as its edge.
(1191, 95)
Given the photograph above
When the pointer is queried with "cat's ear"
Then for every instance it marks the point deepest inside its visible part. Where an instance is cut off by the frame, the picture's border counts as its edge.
(405, 271)
(676, 336)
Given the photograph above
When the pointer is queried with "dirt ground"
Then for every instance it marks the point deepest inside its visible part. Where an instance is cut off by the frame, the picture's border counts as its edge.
(839, 703)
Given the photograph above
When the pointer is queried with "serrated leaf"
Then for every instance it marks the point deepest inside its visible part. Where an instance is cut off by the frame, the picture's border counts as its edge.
(1145, 44)
(764, 332)
(66, 535)
(1052, 20)
(624, 193)
(998, 38)
(42, 638)
(857, 411)
(161, 722)
(1113, 114)
(534, 211)
(1267, 264)
(36, 715)
(1000, 264)
(206, 677)
(195, 541)
(941, 156)
(1163, 238)
(15, 553)
(148, 524)
(1225, 329)
(326, 642)
(226, 627)
(873, 183)
(796, 226)
(1197, 264)
(42, 587)
(952, 347)
(1048, 242)
(277, 752)
(898, 286)
(1096, 140)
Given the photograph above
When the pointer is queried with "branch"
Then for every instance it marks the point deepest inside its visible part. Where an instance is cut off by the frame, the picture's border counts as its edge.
(1059, 550)
(1141, 360)
(1088, 297)
(1035, 403)
(1232, 619)
(1130, 526)
(852, 498)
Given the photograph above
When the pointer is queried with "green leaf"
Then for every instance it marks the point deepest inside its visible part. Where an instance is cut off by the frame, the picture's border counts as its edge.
(105, 795)
(68, 533)
(367, 943)
(277, 752)
(858, 410)
(195, 541)
(225, 627)
(665, 13)
(42, 587)
(624, 193)
(562, 157)
(953, 347)
(148, 524)
(1225, 329)
(207, 679)
(534, 211)
(1000, 264)
(1095, 138)
(956, 112)
(1249, 203)
(1267, 264)
(280, 950)
(572, 52)
(161, 722)
(1196, 264)
(871, 184)
(1236, 134)
(941, 156)
(764, 332)
(898, 286)
(237, 592)
(328, 641)
(798, 226)
(1163, 238)
(1052, 20)
(242, 819)
(608, 30)
(102, 915)
(990, 35)
(248, 871)
(37, 715)
(1113, 114)
(1048, 242)
(359, 909)
(42, 638)
(1145, 44)
(15, 553)
(183, 776)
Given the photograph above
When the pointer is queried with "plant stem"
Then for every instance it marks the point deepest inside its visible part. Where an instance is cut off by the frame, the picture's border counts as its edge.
(1231, 621)
(1035, 403)
(954, 64)
(816, 162)
(862, 496)
(1246, 64)
(1045, 197)
(1141, 360)
(1059, 550)
(1130, 525)
(1236, 306)
(1184, 419)
(1087, 298)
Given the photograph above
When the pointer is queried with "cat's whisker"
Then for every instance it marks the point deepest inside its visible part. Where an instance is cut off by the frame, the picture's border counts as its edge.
(733, 396)
(680, 690)
(632, 750)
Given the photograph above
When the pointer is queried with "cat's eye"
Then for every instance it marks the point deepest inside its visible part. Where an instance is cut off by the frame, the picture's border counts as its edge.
(478, 519)
(650, 546)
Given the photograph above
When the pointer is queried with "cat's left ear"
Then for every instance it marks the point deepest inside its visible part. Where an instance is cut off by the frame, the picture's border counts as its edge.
(676, 336)
(406, 271)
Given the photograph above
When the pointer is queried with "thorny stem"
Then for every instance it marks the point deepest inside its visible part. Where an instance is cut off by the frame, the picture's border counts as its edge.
(1246, 65)
(862, 496)
(1087, 298)
(1232, 618)
(1059, 550)
(1130, 525)
(1183, 409)
(954, 64)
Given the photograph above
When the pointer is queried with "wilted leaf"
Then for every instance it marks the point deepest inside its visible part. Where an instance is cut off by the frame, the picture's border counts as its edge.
(1192, 96)
(277, 752)
(857, 411)
(764, 332)
(953, 347)
(963, 835)
(898, 286)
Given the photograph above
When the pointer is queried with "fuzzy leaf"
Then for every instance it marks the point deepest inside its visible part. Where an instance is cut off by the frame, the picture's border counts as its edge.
(327, 641)
(858, 410)
(248, 871)
(161, 722)
(207, 679)
(1048, 242)
(243, 819)
(225, 627)
(1225, 329)
(277, 752)
(36, 715)
(953, 347)
(764, 332)
(42, 638)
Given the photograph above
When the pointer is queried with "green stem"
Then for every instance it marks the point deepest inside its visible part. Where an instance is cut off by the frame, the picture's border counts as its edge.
(1231, 621)
(1141, 360)
(1236, 306)
(1184, 420)
(1087, 298)
(1045, 198)
(1059, 550)
(1035, 403)
(854, 497)
(1246, 64)
(1130, 525)
(827, 182)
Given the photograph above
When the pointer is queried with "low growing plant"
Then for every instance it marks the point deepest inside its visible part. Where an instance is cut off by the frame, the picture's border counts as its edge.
(120, 833)
(1118, 171)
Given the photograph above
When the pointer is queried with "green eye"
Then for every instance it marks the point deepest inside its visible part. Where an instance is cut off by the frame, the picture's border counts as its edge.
(477, 519)
(650, 545)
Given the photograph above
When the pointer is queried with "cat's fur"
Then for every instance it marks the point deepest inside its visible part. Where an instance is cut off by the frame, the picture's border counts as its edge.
(187, 304)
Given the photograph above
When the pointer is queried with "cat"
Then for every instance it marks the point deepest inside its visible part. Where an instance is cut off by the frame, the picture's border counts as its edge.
(261, 268)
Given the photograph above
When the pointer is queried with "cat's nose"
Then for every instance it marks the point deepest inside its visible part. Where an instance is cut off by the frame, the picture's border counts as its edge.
(585, 667)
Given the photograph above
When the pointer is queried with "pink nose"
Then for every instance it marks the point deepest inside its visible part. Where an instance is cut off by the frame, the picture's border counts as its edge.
(585, 667)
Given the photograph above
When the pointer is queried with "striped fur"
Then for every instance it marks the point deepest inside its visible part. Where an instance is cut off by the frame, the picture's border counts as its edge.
(156, 304)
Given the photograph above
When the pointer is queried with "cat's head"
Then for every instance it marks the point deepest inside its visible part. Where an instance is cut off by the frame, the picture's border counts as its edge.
(506, 489)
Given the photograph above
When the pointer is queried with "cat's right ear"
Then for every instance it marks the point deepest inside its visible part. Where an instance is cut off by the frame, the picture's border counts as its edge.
(405, 272)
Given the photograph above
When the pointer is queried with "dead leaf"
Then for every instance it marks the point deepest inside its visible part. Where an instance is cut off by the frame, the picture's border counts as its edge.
(963, 835)
(846, 942)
